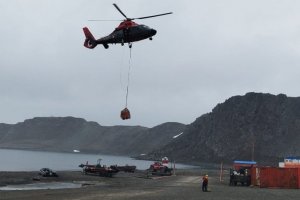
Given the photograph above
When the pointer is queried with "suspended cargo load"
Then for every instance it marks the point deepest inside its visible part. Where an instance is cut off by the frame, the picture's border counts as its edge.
(125, 114)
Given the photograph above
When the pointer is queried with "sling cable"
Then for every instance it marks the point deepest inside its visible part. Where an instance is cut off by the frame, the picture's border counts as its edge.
(125, 113)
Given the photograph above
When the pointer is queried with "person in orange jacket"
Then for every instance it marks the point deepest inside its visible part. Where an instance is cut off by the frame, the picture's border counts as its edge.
(204, 183)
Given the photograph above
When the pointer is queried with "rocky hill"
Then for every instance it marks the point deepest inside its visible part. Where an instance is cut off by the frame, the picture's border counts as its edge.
(69, 133)
(257, 126)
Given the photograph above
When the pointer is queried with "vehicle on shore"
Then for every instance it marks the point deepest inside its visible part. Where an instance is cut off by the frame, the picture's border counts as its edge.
(160, 168)
(242, 176)
(241, 172)
(98, 169)
(46, 172)
(125, 168)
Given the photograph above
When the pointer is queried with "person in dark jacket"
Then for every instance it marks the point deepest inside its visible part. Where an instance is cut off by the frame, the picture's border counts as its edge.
(204, 183)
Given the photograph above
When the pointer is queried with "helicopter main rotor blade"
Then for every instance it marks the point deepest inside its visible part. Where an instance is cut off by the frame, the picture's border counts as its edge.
(104, 20)
(120, 11)
(153, 16)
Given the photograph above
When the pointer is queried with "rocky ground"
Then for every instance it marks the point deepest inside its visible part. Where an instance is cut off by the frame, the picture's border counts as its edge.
(136, 186)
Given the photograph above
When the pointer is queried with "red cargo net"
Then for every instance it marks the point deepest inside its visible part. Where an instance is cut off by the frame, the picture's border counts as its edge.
(125, 114)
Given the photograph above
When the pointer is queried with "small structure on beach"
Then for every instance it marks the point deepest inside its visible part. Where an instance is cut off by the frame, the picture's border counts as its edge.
(290, 162)
(275, 177)
(242, 172)
(287, 176)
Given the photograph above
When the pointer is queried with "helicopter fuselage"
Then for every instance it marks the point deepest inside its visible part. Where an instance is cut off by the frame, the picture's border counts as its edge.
(122, 34)
(127, 32)
(127, 35)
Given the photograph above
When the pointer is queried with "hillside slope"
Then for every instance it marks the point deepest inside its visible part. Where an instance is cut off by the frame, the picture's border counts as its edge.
(69, 133)
(257, 126)
(260, 126)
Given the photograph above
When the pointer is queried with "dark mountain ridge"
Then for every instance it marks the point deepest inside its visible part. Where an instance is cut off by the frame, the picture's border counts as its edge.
(69, 133)
(257, 126)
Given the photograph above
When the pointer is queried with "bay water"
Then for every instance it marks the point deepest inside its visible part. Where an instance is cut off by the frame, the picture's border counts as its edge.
(24, 160)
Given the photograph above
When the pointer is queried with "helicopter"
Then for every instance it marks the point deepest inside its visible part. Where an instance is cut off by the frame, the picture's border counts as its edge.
(127, 32)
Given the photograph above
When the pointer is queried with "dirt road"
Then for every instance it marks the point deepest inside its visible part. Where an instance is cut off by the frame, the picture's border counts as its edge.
(136, 186)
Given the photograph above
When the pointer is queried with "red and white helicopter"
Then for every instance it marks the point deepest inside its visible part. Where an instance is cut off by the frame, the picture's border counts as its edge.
(127, 32)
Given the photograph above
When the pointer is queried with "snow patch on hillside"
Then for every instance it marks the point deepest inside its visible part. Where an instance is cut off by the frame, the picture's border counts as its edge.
(176, 136)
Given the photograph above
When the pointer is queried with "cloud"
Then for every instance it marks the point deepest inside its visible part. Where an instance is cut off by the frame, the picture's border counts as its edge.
(203, 53)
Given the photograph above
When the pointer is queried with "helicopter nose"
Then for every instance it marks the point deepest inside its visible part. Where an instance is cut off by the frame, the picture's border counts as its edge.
(153, 31)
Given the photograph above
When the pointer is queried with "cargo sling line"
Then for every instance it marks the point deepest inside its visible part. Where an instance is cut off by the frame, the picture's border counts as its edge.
(125, 113)
(128, 77)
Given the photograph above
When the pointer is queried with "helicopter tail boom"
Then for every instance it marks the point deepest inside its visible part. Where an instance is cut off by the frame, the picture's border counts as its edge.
(90, 42)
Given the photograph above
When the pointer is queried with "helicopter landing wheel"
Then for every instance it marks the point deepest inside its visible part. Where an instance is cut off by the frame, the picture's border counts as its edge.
(105, 46)
(130, 45)
(150, 38)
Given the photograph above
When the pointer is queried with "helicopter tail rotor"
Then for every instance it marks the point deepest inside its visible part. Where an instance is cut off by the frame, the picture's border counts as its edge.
(90, 41)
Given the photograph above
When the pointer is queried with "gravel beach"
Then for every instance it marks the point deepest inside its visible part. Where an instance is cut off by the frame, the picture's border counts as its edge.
(185, 185)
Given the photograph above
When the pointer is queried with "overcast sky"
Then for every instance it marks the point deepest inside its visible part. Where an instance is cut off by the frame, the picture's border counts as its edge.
(203, 54)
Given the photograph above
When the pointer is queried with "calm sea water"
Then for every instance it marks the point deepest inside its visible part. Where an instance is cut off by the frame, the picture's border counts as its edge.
(21, 160)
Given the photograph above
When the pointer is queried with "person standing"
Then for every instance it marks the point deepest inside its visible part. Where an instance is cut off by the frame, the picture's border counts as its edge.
(204, 183)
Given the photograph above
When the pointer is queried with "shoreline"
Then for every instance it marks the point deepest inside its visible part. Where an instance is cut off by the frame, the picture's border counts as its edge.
(193, 163)
(186, 184)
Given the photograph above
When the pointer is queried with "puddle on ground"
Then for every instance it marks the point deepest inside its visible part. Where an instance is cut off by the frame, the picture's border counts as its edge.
(42, 186)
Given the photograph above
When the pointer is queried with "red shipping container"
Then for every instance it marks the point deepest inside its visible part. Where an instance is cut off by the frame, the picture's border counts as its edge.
(273, 177)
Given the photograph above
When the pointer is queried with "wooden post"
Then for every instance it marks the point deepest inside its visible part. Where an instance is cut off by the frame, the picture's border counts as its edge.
(221, 172)
(174, 169)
